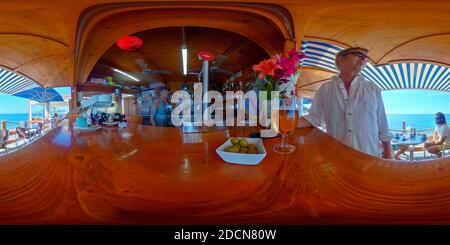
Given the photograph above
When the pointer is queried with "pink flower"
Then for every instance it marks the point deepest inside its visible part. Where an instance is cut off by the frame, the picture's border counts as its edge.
(289, 66)
(266, 67)
(295, 55)
(282, 71)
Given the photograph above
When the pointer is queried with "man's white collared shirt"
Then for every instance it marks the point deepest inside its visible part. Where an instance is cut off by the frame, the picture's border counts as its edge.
(358, 120)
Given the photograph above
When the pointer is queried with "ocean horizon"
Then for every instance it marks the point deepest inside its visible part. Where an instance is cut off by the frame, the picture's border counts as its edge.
(13, 120)
(395, 121)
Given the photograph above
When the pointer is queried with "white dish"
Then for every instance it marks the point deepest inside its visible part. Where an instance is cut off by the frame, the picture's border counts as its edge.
(242, 158)
(110, 123)
(86, 129)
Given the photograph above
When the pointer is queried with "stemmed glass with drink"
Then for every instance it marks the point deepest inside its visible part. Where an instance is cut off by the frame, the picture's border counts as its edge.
(285, 122)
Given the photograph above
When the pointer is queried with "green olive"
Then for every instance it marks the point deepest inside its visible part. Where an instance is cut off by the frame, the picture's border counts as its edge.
(243, 150)
(229, 148)
(243, 142)
(252, 151)
(236, 148)
(234, 141)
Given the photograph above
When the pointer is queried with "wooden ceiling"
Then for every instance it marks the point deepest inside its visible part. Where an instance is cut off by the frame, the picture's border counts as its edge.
(310, 81)
(391, 31)
(162, 51)
(58, 44)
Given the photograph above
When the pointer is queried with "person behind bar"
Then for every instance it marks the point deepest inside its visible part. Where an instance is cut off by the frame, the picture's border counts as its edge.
(350, 108)
(160, 110)
(441, 138)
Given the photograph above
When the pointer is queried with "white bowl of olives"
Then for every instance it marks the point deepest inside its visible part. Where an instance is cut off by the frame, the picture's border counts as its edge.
(247, 151)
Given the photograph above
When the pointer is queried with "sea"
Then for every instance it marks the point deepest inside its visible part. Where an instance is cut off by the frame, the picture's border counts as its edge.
(395, 121)
(417, 121)
(13, 120)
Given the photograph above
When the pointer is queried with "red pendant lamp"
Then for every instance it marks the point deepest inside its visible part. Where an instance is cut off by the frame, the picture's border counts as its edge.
(129, 43)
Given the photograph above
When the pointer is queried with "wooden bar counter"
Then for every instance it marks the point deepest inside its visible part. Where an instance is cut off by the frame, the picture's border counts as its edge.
(153, 175)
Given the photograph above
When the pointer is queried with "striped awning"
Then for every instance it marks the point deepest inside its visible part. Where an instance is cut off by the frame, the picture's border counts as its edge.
(11, 82)
(388, 77)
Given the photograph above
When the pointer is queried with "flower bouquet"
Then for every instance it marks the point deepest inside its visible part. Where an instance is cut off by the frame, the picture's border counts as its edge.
(279, 73)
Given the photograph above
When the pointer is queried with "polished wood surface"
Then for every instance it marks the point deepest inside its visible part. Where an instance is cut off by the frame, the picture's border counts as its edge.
(153, 175)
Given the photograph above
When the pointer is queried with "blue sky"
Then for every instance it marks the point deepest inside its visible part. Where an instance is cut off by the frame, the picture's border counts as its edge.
(416, 101)
(12, 104)
(395, 102)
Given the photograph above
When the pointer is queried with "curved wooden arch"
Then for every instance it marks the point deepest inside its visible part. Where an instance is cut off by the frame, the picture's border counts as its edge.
(38, 60)
(34, 36)
(311, 79)
(31, 33)
(17, 72)
(101, 33)
(385, 27)
(436, 45)
(35, 56)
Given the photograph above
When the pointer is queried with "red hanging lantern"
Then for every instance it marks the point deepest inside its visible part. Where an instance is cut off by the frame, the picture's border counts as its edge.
(129, 43)
(205, 56)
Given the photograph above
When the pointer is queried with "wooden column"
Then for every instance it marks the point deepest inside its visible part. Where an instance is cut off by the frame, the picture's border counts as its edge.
(289, 44)
(3, 124)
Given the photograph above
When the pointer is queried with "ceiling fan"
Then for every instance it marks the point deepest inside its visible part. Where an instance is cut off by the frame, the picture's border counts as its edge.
(214, 68)
(147, 71)
(217, 63)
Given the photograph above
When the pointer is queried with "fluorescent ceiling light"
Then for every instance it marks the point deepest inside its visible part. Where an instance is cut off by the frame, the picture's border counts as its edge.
(125, 74)
(184, 55)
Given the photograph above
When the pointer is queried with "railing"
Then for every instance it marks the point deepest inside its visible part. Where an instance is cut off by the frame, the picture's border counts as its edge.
(10, 122)
(423, 130)
(13, 137)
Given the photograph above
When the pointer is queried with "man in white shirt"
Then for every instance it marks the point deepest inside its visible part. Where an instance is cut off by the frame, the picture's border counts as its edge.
(350, 108)
(441, 136)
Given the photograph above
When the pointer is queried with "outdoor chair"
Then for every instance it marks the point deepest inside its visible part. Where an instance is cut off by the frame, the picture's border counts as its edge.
(446, 149)
(421, 148)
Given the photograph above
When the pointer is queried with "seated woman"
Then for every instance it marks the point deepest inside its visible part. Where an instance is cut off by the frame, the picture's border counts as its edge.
(441, 136)
(161, 110)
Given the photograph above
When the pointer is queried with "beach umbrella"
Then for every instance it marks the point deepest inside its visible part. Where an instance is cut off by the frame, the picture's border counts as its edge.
(41, 95)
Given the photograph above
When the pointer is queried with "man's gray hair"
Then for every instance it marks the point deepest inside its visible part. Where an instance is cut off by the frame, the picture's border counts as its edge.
(347, 51)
